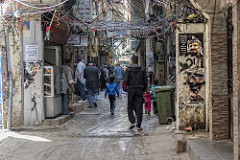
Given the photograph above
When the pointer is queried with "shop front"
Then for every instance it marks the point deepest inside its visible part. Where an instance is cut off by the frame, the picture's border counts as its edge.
(56, 36)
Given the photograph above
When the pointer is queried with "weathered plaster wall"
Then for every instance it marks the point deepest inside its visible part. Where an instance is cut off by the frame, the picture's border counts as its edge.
(33, 92)
(15, 61)
(159, 74)
(15, 56)
(191, 76)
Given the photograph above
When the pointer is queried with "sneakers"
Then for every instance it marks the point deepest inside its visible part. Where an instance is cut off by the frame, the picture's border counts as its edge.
(149, 113)
(81, 101)
(146, 111)
(95, 105)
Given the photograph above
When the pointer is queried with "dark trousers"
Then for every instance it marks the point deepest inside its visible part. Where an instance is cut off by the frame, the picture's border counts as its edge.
(135, 102)
(112, 99)
(155, 107)
(65, 101)
(103, 84)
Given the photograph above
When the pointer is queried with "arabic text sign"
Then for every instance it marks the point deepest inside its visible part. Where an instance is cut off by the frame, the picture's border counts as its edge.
(31, 53)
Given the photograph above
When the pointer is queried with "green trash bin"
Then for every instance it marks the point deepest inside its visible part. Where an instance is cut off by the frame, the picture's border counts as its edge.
(165, 103)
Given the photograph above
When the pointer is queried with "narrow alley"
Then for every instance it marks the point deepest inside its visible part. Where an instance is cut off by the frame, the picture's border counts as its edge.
(94, 134)
(119, 79)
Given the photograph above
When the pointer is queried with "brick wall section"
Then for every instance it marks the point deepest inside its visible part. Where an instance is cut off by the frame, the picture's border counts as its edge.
(220, 106)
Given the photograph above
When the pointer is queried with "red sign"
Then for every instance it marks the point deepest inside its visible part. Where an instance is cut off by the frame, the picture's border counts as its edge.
(58, 30)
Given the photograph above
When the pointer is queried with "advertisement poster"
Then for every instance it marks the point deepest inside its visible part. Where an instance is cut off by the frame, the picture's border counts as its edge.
(192, 66)
(1, 99)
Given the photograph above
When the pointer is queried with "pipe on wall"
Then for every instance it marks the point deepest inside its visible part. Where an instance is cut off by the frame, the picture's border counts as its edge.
(9, 117)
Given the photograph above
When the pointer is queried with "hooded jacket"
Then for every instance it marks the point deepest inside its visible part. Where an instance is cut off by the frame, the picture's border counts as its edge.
(136, 77)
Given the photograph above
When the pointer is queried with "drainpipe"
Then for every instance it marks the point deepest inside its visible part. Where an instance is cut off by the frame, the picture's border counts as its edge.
(9, 117)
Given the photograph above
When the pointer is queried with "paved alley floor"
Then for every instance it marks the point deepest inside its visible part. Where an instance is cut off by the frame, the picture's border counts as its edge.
(93, 134)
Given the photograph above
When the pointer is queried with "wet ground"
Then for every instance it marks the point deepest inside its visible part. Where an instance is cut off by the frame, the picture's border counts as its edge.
(93, 134)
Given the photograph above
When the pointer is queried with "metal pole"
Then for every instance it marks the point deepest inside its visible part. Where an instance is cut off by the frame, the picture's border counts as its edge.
(9, 117)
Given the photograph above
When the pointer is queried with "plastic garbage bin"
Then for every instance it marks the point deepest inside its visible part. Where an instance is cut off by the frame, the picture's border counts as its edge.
(165, 103)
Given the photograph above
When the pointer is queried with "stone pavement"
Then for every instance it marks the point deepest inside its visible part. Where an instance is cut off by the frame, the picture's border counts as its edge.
(94, 135)
(203, 149)
(200, 147)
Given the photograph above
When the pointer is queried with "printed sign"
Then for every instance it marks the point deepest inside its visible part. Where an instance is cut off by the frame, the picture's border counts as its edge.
(83, 40)
(121, 34)
(31, 53)
(83, 10)
(74, 39)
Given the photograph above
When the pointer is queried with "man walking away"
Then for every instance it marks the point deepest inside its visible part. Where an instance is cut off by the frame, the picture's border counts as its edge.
(119, 75)
(80, 79)
(91, 74)
(136, 79)
(107, 73)
(102, 78)
(66, 79)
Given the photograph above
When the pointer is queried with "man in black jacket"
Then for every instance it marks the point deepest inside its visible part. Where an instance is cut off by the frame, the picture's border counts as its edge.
(136, 79)
(91, 74)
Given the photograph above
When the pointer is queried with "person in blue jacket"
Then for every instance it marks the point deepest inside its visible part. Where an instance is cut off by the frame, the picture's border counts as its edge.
(119, 75)
(153, 94)
(111, 91)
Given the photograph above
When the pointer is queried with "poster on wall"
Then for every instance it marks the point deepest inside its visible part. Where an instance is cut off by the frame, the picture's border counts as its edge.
(192, 66)
(150, 62)
(32, 64)
(31, 53)
(1, 99)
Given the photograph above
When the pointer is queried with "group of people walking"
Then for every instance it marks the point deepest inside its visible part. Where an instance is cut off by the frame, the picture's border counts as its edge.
(135, 78)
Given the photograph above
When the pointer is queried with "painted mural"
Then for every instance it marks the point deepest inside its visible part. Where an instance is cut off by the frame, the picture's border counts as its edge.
(191, 81)
(192, 66)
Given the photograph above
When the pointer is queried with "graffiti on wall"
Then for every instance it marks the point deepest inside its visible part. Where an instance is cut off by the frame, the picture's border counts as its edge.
(192, 66)
(30, 70)
(172, 65)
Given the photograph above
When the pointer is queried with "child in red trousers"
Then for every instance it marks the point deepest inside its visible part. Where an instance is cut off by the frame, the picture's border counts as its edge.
(147, 100)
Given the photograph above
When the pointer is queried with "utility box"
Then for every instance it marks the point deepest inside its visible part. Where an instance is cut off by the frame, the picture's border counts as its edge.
(165, 103)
